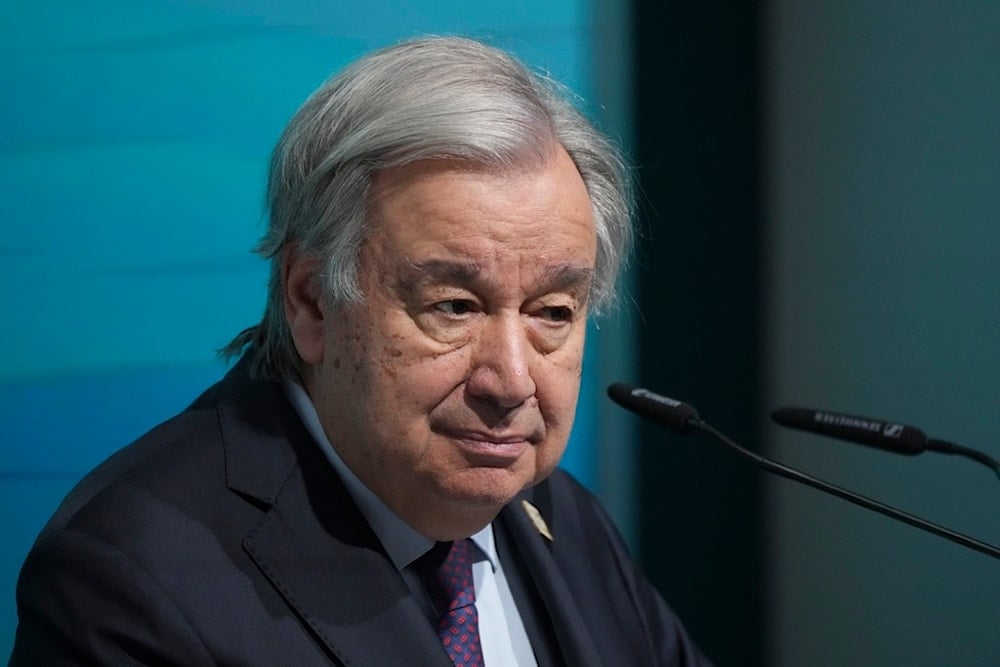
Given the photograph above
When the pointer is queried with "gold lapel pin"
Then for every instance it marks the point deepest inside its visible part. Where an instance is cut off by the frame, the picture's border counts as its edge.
(536, 518)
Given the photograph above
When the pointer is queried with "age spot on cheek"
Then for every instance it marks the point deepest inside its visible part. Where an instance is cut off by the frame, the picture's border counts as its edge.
(357, 335)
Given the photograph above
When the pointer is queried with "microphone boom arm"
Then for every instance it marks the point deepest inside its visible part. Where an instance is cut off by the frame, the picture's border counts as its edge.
(681, 417)
(850, 496)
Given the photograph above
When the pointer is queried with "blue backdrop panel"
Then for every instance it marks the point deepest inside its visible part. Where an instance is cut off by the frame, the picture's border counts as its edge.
(133, 151)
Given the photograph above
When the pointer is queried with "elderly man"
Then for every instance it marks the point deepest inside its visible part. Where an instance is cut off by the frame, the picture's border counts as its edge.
(374, 483)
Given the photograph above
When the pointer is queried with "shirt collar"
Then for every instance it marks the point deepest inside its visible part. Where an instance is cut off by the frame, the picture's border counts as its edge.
(402, 543)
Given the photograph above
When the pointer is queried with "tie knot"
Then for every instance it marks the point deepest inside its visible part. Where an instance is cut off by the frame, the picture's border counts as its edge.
(448, 574)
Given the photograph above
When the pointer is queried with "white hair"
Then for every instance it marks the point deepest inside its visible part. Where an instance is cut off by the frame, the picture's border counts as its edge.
(428, 98)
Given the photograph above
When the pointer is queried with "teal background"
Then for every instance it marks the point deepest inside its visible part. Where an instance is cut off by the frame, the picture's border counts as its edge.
(133, 152)
(883, 299)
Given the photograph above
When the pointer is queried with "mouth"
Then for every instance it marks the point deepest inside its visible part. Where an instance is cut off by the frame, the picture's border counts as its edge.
(490, 448)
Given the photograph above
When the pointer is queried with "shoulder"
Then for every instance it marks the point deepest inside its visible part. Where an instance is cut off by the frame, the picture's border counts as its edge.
(149, 545)
(106, 556)
(192, 467)
(170, 498)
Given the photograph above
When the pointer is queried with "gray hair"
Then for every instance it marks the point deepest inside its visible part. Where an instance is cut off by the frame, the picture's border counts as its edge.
(435, 97)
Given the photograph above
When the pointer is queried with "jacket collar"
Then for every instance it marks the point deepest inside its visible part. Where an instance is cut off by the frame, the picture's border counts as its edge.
(527, 541)
(311, 533)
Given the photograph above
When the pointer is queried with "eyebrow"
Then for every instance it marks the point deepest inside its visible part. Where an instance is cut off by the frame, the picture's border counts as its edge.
(568, 277)
(436, 271)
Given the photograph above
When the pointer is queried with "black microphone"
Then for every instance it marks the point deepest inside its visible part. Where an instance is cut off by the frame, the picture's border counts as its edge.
(877, 433)
(679, 416)
(872, 432)
(660, 409)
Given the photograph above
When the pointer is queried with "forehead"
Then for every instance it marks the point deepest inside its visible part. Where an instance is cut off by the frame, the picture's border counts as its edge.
(439, 209)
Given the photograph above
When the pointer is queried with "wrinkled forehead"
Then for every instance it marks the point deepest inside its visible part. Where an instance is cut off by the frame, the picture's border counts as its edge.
(444, 209)
(547, 184)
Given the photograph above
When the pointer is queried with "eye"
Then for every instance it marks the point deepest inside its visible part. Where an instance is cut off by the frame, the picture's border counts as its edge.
(455, 307)
(558, 314)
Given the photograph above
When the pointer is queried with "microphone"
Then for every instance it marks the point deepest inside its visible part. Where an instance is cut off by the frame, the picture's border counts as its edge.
(872, 432)
(889, 436)
(660, 409)
(679, 416)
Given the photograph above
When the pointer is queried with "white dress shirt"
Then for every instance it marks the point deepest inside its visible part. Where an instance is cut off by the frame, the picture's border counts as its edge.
(501, 631)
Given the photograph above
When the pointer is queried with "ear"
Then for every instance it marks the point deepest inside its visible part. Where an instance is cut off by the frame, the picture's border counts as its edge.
(303, 310)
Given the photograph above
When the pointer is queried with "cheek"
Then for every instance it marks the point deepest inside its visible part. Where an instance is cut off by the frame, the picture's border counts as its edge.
(558, 387)
(411, 378)
(567, 363)
(342, 386)
(405, 352)
(418, 392)
(360, 365)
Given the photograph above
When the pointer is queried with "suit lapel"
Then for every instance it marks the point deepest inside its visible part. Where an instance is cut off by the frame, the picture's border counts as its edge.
(313, 545)
(325, 561)
(571, 632)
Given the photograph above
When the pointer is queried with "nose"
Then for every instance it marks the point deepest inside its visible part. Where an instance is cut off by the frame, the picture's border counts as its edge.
(501, 366)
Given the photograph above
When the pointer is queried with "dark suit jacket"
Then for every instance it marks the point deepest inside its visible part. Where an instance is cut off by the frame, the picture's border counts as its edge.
(223, 536)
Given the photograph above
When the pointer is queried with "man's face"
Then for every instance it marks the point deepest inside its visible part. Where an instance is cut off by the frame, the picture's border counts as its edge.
(453, 385)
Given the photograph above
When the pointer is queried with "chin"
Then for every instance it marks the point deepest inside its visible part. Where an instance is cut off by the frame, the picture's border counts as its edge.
(486, 488)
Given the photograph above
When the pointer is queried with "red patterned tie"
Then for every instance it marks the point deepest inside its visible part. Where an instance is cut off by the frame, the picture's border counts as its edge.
(449, 582)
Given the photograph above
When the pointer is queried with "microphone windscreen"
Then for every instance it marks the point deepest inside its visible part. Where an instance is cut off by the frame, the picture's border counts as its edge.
(664, 411)
(872, 432)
